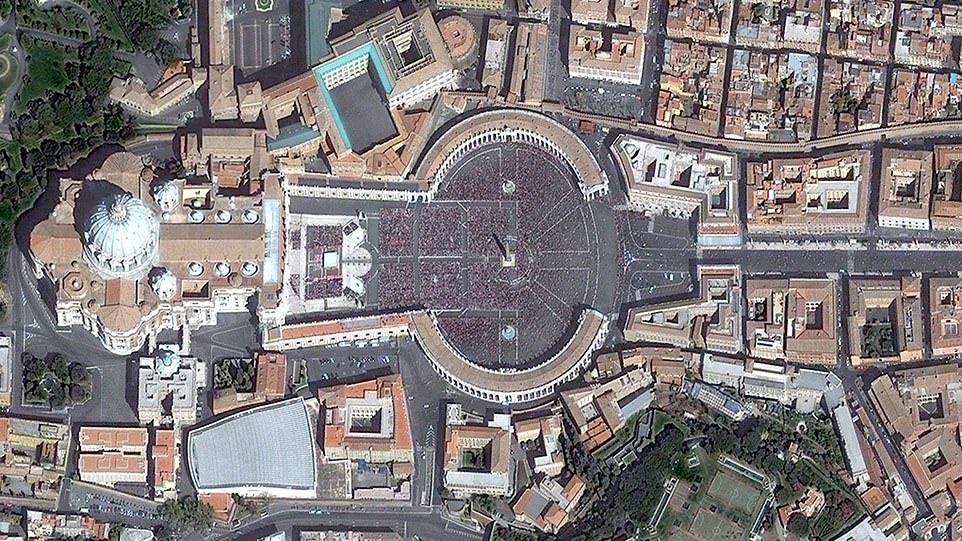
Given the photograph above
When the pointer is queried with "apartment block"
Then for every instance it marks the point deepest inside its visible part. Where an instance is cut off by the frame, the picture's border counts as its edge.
(921, 409)
(920, 96)
(528, 63)
(367, 421)
(165, 459)
(44, 526)
(133, 94)
(681, 181)
(947, 189)
(625, 13)
(111, 455)
(771, 96)
(33, 455)
(704, 20)
(477, 457)
(605, 55)
(800, 388)
(884, 320)
(481, 5)
(922, 38)
(713, 320)
(6, 369)
(809, 195)
(548, 505)
(945, 309)
(717, 400)
(496, 55)
(221, 93)
(792, 319)
(690, 87)
(859, 28)
(250, 98)
(906, 189)
(599, 410)
(667, 365)
(540, 436)
(780, 23)
(851, 97)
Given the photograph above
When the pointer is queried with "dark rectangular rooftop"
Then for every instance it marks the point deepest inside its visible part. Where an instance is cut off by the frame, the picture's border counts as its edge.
(364, 112)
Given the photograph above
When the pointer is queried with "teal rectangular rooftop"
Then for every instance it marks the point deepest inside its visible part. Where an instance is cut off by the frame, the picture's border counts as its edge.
(293, 135)
(368, 50)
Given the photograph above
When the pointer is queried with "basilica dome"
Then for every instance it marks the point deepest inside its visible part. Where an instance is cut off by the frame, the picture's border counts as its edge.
(121, 236)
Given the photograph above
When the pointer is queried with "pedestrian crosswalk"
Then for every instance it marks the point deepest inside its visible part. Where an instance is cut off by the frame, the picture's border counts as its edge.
(430, 439)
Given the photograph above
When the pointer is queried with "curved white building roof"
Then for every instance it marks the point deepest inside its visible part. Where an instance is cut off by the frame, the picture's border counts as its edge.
(121, 236)
(164, 283)
(265, 450)
(167, 196)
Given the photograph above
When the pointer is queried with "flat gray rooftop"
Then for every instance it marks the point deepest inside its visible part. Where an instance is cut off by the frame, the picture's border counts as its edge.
(270, 446)
(364, 112)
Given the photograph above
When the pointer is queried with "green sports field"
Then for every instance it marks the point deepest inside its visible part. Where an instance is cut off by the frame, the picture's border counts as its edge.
(720, 506)
(734, 493)
(709, 525)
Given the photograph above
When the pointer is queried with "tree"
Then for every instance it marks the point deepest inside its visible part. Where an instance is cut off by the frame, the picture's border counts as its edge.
(798, 525)
(186, 515)
(79, 394)
(79, 375)
(843, 102)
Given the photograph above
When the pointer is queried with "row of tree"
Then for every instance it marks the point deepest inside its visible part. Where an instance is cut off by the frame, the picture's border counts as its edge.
(144, 19)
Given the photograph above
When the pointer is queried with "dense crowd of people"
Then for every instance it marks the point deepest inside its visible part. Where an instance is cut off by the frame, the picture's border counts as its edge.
(294, 282)
(483, 224)
(294, 239)
(442, 285)
(396, 225)
(543, 186)
(323, 288)
(477, 338)
(395, 285)
(489, 290)
(439, 230)
(324, 236)
(480, 182)
(539, 302)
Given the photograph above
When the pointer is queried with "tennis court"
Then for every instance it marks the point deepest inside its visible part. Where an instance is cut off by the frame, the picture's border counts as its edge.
(714, 527)
(735, 494)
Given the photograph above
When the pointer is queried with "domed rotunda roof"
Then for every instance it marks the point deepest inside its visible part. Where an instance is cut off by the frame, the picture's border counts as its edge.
(166, 363)
(121, 236)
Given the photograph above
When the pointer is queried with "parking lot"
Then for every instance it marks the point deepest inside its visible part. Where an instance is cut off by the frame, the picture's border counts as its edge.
(108, 505)
(348, 362)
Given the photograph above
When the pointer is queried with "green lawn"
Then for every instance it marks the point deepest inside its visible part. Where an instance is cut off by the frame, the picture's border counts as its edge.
(8, 64)
(46, 72)
(719, 506)
(662, 420)
(710, 525)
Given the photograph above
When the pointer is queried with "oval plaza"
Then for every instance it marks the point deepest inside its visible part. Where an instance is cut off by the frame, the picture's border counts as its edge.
(480, 374)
